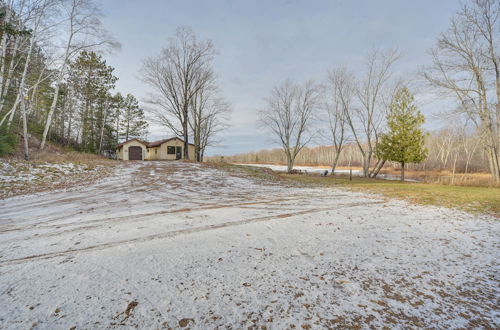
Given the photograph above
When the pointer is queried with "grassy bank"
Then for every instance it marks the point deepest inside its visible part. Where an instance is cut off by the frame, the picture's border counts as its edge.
(472, 199)
(52, 168)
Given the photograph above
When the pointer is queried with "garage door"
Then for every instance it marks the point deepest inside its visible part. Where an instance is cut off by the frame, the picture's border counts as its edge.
(135, 153)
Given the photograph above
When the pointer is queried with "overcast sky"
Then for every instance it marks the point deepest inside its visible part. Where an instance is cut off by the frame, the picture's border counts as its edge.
(262, 43)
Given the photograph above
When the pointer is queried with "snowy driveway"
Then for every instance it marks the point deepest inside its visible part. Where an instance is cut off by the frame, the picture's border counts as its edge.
(169, 245)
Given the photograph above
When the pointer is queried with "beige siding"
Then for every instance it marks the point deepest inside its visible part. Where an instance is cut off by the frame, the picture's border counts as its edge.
(122, 152)
(153, 153)
(174, 143)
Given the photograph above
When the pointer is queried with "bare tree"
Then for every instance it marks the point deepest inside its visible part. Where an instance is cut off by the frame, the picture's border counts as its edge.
(11, 41)
(470, 143)
(37, 21)
(288, 115)
(25, 33)
(339, 95)
(207, 118)
(82, 30)
(177, 76)
(366, 119)
(466, 67)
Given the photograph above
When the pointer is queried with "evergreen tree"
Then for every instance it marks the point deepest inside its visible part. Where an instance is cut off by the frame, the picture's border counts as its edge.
(133, 123)
(404, 143)
(92, 79)
(117, 104)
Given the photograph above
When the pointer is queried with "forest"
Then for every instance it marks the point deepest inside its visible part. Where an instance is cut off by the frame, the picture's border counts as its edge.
(55, 83)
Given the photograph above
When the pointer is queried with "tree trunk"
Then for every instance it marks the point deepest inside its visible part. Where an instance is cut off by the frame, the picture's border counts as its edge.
(56, 92)
(25, 131)
(51, 111)
(10, 71)
(335, 161)
(494, 165)
(186, 135)
(367, 157)
(454, 168)
(117, 128)
(3, 47)
(289, 163)
(20, 92)
(377, 168)
(198, 152)
(402, 171)
(102, 127)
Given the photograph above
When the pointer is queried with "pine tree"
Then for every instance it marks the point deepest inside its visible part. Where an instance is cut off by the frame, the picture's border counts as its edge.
(133, 122)
(404, 143)
(117, 104)
(92, 79)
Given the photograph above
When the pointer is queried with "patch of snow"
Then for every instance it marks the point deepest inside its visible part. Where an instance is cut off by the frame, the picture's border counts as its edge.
(19, 173)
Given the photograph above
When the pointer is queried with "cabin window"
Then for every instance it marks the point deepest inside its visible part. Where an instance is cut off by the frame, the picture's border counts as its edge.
(171, 150)
(156, 151)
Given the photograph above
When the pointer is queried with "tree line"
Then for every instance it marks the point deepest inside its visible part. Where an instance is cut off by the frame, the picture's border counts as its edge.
(451, 148)
(375, 111)
(54, 81)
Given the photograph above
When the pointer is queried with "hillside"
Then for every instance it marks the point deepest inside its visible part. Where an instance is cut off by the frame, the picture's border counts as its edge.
(53, 168)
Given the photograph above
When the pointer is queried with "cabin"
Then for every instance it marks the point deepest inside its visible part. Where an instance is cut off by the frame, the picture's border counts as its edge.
(167, 149)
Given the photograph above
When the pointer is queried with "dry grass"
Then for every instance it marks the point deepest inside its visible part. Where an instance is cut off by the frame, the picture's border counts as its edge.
(446, 177)
(91, 160)
(466, 198)
(55, 154)
(255, 172)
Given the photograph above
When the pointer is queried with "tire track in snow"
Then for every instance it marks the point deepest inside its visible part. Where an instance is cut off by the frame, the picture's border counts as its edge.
(175, 233)
(110, 220)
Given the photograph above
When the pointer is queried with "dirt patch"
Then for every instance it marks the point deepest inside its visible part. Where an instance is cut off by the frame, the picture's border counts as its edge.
(185, 322)
(128, 311)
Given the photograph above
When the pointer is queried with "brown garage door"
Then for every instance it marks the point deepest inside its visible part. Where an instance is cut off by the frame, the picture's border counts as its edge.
(135, 153)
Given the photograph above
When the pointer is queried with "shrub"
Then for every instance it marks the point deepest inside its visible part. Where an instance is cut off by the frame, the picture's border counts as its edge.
(8, 143)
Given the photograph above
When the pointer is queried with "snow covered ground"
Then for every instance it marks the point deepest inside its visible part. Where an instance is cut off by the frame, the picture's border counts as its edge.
(170, 245)
(18, 172)
(21, 176)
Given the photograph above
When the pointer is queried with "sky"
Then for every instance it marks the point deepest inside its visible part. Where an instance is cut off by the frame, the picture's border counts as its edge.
(262, 43)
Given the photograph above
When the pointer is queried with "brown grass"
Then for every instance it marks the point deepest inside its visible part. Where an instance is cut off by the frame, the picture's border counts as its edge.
(70, 157)
(471, 199)
(53, 153)
(446, 177)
